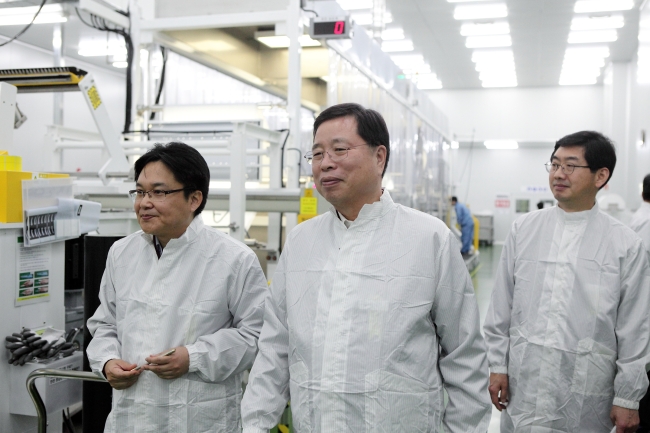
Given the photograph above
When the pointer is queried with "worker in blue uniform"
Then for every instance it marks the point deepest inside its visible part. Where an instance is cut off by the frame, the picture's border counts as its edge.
(466, 223)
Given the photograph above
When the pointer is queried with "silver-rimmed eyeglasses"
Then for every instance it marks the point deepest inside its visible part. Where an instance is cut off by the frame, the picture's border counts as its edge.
(336, 154)
(552, 167)
(154, 194)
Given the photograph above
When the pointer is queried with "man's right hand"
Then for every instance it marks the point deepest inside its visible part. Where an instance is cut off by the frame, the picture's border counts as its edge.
(499, 390)
(120, 374)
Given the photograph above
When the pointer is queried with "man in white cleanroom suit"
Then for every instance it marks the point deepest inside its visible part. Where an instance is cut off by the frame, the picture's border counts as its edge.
(568, 326)
(641, 218)
(181, 307)
(371, 312)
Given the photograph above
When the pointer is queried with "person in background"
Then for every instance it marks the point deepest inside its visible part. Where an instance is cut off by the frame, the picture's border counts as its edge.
(641, 224)
(641, 218)
(372, 313)
(540, 205)
(568, 327)
(466, 223)
(181, 307)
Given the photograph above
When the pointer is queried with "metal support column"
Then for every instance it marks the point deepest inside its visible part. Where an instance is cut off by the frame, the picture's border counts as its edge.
(294, 30)
(57, 47)
(238, 182)
(7, 115)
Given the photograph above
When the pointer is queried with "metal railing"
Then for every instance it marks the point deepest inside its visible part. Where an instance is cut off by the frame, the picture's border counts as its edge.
(63, 374)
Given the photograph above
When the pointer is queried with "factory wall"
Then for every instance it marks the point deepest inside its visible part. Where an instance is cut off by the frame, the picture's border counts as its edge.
(39, 108)
(488, 180)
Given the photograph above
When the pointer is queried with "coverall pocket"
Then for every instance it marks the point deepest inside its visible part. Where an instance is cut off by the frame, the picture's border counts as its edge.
(299, 393)
(594, 369)
(395, 403)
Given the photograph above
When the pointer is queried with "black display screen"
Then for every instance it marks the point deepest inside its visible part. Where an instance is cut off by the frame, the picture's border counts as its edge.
(326, 28)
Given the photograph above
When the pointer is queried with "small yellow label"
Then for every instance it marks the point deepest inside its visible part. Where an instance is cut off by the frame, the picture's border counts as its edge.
(309, 205)
(309, 192)
(93, 95)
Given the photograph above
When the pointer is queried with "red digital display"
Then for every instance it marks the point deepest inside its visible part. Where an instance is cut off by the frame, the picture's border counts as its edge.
(329, 28)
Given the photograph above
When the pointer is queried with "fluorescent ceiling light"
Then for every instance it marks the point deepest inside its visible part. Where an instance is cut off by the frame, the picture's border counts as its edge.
(455, 145)
(480, 11)
(601, 51)
(428, 82)
(598, 23)
(488, 41)
(480, 29)
(99, 48)
(120, 65)
(587, 6)
(393, 34)
(214, 45)
(349, 5)
(362, 19)
(281, 41)
(25, 15)
(591, 36)
(397, 46)
(501, 144)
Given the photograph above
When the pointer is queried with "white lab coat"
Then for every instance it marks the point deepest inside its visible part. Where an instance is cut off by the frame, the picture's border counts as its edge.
(205, 293)
(641, 224)
(365, 325)
(569, 321)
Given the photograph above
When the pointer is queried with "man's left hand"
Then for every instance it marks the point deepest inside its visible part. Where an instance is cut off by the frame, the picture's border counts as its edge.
(170, 366)
(625, 420)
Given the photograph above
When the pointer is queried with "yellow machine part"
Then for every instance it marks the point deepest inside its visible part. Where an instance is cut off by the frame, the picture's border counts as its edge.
(477, 226)
(11, 195)
(43, 79)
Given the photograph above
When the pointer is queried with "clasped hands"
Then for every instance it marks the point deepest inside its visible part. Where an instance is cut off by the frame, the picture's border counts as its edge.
(169, 364)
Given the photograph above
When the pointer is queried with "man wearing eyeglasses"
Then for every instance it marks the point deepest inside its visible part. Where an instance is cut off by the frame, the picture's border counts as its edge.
(181, 307)
(568, 327)
(371, 313)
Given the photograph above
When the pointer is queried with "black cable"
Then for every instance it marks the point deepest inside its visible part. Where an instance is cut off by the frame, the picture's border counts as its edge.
(299, 159)
(100, 24)
(310, 10)
(20, 33)
(162, 81)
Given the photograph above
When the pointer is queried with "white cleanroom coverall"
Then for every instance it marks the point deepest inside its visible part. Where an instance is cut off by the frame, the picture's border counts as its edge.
(641, 224)
(206, 292)
(569, 321)
(365, 325)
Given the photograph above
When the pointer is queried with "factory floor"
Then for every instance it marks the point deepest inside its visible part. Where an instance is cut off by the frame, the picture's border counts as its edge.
(483, 279)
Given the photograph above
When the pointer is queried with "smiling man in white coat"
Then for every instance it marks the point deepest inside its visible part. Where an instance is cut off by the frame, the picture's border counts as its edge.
(568, 326)
(181, 307)
(371, 313)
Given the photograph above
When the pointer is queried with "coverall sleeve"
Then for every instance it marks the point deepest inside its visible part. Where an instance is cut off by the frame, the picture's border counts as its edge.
(633, 329)
(267, 392)
(463, 363)
(216, 357)
(497, 321)
(103, 325)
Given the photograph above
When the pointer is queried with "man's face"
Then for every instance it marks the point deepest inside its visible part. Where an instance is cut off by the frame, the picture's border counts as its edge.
(575, 191)
(166, 219)
(355, 180)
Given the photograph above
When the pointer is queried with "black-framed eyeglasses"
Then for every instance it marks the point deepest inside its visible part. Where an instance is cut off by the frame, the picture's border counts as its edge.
(154, 194)
(552, 167)
(338, 153)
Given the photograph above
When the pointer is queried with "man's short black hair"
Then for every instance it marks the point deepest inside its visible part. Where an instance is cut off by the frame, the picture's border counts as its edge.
(186, 164)
(646, 188)
(371, 126)
(599, 150)
(454, 198)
